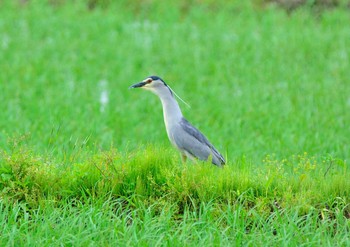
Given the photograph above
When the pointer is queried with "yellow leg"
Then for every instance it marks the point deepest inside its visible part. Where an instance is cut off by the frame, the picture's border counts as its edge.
(184, 158)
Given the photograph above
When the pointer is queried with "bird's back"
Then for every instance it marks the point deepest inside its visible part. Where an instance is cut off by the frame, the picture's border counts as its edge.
(191, 140)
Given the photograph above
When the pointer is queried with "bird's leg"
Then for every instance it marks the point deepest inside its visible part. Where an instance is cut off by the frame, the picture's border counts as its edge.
(184, 158)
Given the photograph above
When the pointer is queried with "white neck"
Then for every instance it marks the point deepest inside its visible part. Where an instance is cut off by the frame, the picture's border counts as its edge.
(171, 110)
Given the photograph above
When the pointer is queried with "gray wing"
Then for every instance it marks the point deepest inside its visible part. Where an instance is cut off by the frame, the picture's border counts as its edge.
(197, 144)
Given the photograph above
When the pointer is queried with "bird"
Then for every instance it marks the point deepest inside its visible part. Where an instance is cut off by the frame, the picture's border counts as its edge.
(184, 136)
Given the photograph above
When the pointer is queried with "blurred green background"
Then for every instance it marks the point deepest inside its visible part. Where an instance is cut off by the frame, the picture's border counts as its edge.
(262, 77)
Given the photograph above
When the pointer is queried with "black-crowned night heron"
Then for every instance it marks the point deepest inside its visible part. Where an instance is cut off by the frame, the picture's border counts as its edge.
(185, 137)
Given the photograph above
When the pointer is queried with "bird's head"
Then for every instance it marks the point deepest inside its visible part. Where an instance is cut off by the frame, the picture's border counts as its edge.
(155, 84)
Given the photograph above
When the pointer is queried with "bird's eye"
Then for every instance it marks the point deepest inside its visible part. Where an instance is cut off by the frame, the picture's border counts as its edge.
(149, 80)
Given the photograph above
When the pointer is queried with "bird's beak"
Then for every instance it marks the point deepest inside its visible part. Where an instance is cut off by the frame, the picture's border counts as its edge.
(140, 84)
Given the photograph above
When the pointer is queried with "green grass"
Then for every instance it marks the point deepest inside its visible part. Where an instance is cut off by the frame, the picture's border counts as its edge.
(270, 90)
(109, 223)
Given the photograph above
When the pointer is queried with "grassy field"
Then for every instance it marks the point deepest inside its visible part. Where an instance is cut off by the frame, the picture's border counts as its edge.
(84, 161)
